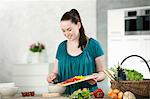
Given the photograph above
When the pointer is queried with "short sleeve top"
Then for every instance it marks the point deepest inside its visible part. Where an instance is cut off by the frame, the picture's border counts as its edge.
(82, 64)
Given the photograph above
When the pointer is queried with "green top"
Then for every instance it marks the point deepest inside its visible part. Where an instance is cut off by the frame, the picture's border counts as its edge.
(82, 64)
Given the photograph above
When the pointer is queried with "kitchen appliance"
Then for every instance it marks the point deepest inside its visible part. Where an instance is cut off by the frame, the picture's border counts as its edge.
(137, 22)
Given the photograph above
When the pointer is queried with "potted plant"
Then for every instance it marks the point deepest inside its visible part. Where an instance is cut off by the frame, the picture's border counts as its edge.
(36, 53)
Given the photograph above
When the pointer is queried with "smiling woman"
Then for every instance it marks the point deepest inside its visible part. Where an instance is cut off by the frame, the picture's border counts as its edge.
(30, 21)
(78, 55)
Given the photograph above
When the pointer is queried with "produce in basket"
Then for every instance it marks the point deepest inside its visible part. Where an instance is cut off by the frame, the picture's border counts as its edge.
(126, 74)
(133, 75)
(115, 94)
(128, 95)
(134, 82)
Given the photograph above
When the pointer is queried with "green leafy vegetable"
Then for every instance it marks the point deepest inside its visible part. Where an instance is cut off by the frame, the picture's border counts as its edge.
(119, 74)
(134, 75)
(81, 94)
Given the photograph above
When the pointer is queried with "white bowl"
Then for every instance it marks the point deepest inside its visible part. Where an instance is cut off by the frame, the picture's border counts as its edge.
(56, 89)
(11, 84)
(8, 91)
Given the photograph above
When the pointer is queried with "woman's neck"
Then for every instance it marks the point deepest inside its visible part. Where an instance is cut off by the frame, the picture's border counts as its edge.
(75, 41)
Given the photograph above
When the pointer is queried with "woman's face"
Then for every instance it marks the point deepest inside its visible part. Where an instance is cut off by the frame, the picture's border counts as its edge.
(70, 30)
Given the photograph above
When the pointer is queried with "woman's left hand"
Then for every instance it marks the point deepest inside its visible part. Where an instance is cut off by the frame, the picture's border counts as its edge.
(97, 77)
(93, 81)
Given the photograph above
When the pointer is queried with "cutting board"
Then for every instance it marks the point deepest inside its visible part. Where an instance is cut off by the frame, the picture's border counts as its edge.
(88, 77)
(51, 94)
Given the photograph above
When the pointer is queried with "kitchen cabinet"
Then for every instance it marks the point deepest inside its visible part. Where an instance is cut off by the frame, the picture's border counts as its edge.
(120, 45)
(115, 50)
(145, 48)
(31, 77)
(115, 22)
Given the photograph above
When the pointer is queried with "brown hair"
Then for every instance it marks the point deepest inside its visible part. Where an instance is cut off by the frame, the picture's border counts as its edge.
(74, 16)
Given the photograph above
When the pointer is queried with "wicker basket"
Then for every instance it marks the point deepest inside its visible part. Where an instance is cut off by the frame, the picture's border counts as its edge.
(139, 88)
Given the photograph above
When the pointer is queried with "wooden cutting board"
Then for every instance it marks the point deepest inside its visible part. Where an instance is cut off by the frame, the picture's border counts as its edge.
(51, 94)
(88, 77)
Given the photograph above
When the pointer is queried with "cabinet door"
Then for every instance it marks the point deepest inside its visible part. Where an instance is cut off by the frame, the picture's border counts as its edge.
(115, 50)
(115, 22)
(132, 47)
(145, 49)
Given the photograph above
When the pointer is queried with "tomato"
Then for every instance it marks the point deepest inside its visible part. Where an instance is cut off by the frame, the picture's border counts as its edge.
(27, 94)
(32, 93)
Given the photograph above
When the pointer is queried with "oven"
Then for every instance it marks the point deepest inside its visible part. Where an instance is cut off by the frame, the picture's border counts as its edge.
(137, 22)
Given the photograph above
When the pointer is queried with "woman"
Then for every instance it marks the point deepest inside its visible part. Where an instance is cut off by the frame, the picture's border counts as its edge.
(78, 55)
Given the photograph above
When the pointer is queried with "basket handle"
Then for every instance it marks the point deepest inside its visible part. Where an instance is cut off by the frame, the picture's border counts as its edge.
(139, 57)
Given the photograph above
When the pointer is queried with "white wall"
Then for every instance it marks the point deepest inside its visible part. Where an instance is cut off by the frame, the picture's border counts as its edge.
(23, 22)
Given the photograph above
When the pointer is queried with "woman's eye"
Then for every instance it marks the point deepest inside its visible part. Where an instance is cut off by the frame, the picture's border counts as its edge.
(69, 29)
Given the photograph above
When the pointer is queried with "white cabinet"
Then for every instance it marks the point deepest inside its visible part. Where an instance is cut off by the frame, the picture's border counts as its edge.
(145, 46)
(115, 22)
(120, 45)
(115, 50)
(31, 77)
(145, 49)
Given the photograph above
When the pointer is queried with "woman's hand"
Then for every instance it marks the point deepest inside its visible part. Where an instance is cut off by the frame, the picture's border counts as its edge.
(92, 81)
(51, 77)
(97, 77)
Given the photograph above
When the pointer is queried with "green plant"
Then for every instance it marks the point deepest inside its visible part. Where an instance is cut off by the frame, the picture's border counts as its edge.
(37, 47)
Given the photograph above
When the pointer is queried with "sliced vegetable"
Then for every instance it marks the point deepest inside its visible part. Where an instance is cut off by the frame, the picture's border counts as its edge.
(76, 78)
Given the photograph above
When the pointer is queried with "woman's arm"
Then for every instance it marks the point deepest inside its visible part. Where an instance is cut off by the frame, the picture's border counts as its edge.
(100, 66)
(54, 72)
(55, 69)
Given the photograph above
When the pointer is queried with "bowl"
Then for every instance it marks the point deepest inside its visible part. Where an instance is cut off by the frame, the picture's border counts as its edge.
(56, 88)
(8, 91)
(11, 84)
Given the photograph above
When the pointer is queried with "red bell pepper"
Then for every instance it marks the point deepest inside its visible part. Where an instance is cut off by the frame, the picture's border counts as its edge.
(98, 93)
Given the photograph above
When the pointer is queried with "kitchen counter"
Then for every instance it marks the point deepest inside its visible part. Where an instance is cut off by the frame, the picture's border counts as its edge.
(40, 97)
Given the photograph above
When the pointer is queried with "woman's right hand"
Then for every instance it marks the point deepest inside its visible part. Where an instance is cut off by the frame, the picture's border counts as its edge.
(51, 77)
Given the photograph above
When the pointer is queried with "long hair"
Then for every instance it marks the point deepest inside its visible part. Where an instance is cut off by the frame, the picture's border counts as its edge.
(74, 16)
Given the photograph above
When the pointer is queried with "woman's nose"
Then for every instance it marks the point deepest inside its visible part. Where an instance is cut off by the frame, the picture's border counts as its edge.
(67, 33)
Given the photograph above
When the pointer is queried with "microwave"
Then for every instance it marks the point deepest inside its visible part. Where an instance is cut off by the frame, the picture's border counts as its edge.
(137, 22)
